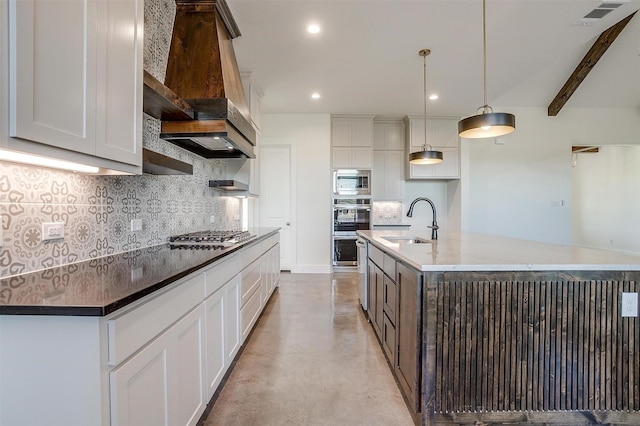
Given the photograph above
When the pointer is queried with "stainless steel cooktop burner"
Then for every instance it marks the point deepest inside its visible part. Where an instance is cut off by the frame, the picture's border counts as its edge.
(213, 239)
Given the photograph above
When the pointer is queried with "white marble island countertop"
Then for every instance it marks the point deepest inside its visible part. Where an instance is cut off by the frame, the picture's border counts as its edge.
(479, 252)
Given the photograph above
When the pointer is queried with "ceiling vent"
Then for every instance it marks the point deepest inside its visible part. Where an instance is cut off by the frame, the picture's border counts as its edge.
(599, 12)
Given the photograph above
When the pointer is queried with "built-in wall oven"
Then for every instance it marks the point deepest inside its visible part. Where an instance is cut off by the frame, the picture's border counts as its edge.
(349, 216)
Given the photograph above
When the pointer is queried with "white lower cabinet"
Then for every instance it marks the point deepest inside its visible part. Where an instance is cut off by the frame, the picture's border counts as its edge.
(155, 362)
(163, 383)
(188, 392)
(222, 332)
(215, 320)
(232, 335)
(140, 387)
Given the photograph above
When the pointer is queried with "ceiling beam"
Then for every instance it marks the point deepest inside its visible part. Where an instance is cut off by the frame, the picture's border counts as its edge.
(583, 149)
(594, 54)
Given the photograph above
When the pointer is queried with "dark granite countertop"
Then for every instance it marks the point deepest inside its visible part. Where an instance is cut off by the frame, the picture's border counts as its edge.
(100, 286)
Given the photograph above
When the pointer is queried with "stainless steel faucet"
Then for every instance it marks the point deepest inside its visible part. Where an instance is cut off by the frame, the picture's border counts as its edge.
(434, 225)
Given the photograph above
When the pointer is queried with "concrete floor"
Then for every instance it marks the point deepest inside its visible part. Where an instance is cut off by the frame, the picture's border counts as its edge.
(312, 360)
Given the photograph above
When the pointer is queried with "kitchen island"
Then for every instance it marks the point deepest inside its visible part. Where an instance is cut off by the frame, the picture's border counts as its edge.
(481, 328)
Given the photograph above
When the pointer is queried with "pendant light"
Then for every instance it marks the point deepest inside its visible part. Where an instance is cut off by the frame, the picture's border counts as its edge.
(425, 156)
(486, 123)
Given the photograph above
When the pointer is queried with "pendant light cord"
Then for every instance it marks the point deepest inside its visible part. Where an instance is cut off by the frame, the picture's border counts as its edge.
(484, 52)
(424, 147)
(424, 53)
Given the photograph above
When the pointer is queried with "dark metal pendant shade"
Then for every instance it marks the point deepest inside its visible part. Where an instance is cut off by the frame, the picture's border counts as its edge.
(487, 125)
(425, 157)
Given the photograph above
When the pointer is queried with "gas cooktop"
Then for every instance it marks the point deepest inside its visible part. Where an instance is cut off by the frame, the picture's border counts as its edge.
(210, 239)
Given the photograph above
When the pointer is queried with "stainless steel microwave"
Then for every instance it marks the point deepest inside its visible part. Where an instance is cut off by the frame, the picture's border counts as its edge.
(351, 182)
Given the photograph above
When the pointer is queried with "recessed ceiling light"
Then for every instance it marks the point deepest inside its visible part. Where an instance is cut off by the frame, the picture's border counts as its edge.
(315, 95)
(433, 97)
(313, 29)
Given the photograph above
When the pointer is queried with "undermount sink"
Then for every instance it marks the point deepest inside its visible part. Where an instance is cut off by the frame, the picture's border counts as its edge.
(407, 240)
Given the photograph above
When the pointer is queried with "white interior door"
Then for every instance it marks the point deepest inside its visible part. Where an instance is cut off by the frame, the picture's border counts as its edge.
(276, 190)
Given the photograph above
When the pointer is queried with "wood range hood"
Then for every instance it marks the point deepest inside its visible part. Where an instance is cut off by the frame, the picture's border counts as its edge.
(202, 103)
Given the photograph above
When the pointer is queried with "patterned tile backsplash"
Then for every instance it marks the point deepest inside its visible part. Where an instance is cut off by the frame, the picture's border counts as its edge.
(387, 213)
(97, 210)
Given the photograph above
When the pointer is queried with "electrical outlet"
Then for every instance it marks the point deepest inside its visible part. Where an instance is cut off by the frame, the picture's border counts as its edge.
(212, 219)
(52, 230)
(136, 225)
(137, 274)
(629, 304)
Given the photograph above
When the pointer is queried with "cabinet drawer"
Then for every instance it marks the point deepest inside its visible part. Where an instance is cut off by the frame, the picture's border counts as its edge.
(220, 273)
(131, 330)
(376, 255)
(389, 298)
(389, 340)
(250, 282)
(249, 314)
(389, 266)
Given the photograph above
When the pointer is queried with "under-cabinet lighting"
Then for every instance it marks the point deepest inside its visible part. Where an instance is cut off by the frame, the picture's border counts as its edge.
(315, 95)
(36, 160)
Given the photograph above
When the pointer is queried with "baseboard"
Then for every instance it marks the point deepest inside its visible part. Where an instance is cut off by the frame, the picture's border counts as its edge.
(311, 269)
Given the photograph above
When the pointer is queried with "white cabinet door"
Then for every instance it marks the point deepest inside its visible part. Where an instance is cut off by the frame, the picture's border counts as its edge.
(75, 76)
(341, 157)
(388, 135)
(362, 132)
(394, 176)
(232, 334)
(120, 71)
(351, 142)
(388, 175)
(340, 133)
(441, 131)
(140, 387)
(442, 135)
(53, 72)
(378, 175)
(187, 396)
(163, 384)
(361, 157)
(215, 332)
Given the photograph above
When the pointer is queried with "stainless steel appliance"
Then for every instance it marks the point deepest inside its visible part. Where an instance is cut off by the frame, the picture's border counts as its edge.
(349, 216)
(351, 182)
(363, 287)
(209, 240)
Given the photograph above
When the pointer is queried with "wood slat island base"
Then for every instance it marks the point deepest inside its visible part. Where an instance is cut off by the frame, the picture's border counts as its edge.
(481, 329)
(529, 347)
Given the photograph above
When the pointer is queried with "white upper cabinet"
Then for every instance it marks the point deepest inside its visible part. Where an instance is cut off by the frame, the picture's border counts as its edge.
(76, 77)
(253, 94)
(387, 173)
(388, 135)
(442, 135)
(352, 141)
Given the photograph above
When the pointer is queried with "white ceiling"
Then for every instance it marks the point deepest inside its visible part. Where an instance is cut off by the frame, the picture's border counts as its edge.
(365, 59)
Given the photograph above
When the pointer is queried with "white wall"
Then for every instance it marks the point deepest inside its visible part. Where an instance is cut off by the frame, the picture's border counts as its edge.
(311, 249)
(521, 185)
(606, 202)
